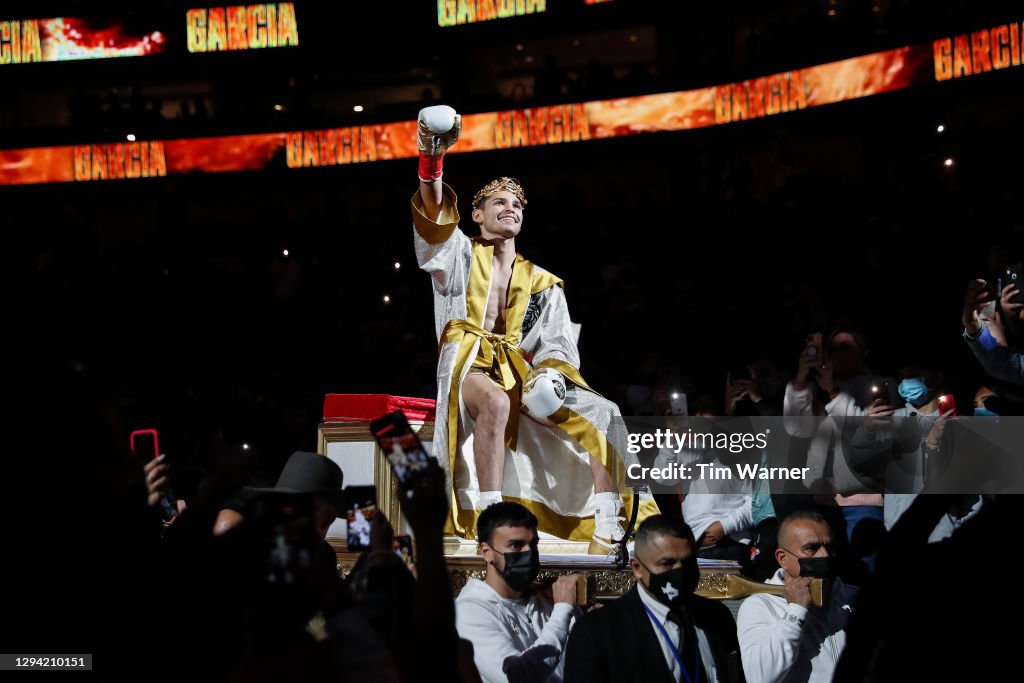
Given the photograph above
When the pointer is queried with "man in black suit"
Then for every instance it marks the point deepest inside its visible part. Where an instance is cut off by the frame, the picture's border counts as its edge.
(658, 632)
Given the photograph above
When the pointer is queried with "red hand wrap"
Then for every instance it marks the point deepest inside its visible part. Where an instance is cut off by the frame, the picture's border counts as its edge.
(431, 166)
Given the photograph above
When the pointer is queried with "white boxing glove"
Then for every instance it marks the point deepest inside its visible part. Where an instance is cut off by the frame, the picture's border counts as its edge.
(438, 129)
(544, 391)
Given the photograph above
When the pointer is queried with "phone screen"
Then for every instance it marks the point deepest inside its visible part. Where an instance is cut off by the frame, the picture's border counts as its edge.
(362, 506)
(404, 549)
(401, 446)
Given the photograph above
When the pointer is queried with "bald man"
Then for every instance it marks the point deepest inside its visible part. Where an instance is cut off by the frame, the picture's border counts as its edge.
(788, 638)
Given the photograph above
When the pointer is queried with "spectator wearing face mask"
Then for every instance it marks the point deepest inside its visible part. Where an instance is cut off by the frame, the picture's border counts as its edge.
(920, 429)
(982, 397)
(518, 633)
(900, 451)
(994, 402)
(659, 630)
(785, 637)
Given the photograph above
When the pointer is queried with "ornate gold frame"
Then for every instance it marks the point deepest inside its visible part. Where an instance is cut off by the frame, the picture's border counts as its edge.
(603, 582)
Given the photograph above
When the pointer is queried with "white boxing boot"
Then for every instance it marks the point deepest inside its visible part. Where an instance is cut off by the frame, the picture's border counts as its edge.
(607, 529)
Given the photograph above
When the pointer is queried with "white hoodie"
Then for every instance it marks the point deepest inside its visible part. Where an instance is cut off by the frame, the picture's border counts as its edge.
(513, 640)
(774, 648)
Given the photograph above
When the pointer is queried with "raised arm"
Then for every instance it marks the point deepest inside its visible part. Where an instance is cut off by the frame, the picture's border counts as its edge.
(988, 342)
(439, 127)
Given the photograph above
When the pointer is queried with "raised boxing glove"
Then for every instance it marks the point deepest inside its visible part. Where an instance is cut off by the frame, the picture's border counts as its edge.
(439, 128)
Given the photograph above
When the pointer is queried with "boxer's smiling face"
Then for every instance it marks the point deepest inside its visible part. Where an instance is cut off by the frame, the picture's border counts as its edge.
(500, 216)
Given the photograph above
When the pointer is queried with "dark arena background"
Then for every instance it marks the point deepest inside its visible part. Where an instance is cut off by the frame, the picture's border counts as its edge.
(205, 224)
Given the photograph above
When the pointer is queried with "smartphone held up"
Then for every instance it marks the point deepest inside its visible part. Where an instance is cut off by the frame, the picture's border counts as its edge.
(812, 346)
(880, 392)
(401, 446)
(677, 403)
(145, 443)
(813, 352)
(405, 549)
(1013, 274)
(947, 405)
(361, 508)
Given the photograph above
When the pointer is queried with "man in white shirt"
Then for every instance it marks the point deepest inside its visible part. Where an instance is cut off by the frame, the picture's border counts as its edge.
(518, 633)
(717, 510)
(786, 638)
(721, 517)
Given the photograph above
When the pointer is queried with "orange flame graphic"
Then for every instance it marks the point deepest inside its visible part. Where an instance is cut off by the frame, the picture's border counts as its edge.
(69, 38)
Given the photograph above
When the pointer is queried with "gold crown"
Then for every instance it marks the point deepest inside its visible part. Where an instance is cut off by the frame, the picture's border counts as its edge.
(507, 184)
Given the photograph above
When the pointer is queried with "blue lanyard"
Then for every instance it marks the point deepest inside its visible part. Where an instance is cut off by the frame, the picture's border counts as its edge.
(675, 650)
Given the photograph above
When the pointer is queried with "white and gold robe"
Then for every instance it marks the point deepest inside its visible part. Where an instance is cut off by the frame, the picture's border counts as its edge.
(547, 470)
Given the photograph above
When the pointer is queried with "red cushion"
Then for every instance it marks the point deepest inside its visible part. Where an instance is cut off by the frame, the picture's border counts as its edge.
(368, 407)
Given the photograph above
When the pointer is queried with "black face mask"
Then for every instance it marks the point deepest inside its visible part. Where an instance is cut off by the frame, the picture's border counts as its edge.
(817, 567)
(674, 587)
(520, 568)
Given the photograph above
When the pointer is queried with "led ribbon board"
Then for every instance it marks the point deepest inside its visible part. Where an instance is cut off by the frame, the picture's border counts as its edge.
(64, 39)
(942, 60)
(242, 27)
(207, 29)
(454, 12)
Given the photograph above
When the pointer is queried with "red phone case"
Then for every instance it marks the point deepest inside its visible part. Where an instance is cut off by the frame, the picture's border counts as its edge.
(156, 440)
(947, 405)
